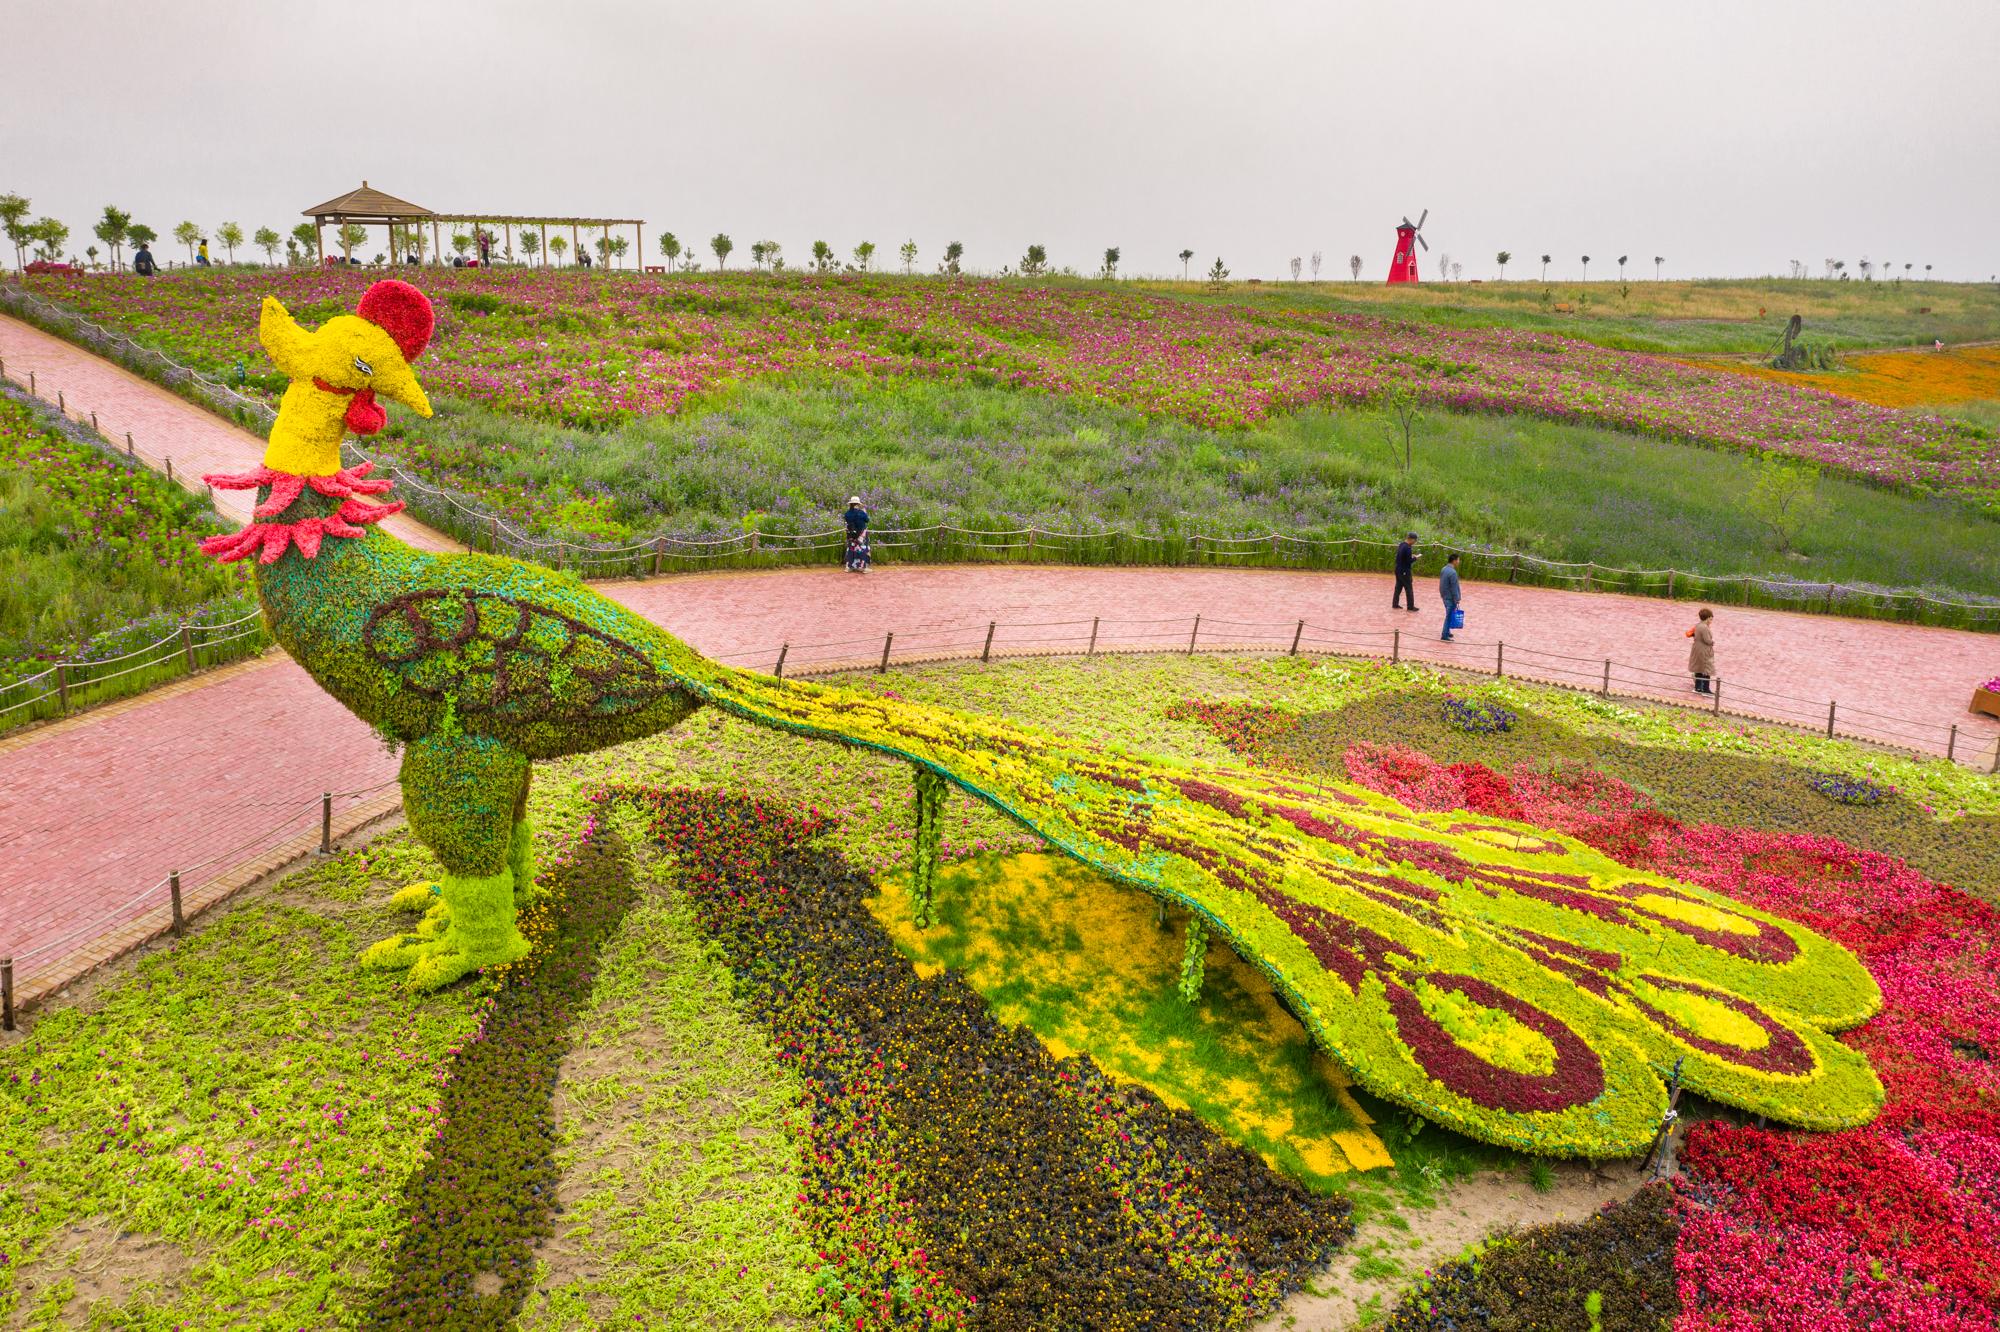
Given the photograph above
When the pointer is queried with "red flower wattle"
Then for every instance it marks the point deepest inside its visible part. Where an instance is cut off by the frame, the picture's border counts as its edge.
(268, 541)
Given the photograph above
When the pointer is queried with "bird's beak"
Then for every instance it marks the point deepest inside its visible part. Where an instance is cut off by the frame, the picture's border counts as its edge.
(398, 383)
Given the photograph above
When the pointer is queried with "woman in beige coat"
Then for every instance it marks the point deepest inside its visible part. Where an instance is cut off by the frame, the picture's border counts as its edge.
(1701, 656)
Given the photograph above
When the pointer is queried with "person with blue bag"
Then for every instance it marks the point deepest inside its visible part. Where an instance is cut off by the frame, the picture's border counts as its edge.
(1454, 618)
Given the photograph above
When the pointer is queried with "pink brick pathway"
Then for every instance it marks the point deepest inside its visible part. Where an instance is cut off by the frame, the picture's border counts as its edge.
(162, 425)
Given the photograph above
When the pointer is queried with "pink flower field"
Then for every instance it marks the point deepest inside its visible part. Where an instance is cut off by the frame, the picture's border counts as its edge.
(590, 350)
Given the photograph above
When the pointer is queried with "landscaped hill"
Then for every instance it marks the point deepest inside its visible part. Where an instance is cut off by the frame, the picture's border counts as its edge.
(618, 407)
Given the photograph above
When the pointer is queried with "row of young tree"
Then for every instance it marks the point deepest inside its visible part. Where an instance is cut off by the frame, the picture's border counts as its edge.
(1837, 269)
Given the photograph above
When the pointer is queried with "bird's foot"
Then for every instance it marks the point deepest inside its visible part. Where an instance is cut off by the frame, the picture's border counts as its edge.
(416, 897)
(469, 925)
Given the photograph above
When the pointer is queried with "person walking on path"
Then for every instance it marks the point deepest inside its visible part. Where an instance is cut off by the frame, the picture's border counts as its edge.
(1448, 592)
(142, 262)
(201, 255)
(1406, 572)
(1701, 654)
(856, 519)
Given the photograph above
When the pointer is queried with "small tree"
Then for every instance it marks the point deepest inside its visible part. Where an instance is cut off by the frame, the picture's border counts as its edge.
(1111, 262)
(112, 229)
(14, 218)
(1927, 272)
(1586, 268)
(90, 253)
(1444, 267)
(1186, 255)
(1035, 262)
(619, 247)
(864, 255)
(187, 233)
(558, 246)
(721, 245)
(953, 252)
(1457, 270)
(1298, 266)
(1502, 259)
(907, 252)
(822, 257)
(1658, 260)
(460, 243)
(1316, 257)
(1785, 497)
(1218, 276)
(531, 243)
(670, 248)
(1621, 266)
(141, 234)
(1404, 413)
(52, 235)
(351, 235)
(231, 236)
(774, 255)
(305, 234)
(268, 240)
(756, 254)
(1545, 267)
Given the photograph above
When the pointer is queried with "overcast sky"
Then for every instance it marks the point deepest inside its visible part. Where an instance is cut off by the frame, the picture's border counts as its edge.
(1729, 137)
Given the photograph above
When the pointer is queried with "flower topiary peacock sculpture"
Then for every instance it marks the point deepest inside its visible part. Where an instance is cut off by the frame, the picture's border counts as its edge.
(1511, 983)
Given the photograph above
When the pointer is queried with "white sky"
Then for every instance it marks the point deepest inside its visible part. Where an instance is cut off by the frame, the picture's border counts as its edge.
(1728, 137)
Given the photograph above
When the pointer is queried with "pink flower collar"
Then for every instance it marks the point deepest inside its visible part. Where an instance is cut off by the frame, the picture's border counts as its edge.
(270, 540)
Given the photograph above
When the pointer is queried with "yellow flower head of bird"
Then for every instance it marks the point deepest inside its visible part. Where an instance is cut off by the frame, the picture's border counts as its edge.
(337, 371)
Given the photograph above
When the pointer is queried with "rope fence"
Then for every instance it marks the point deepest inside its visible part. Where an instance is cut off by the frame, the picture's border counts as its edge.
(464, 518)
(159, 908)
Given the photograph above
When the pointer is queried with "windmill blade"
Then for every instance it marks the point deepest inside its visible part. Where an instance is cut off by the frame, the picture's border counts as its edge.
(1420, 219)
(1421, 241)
(1407, 223)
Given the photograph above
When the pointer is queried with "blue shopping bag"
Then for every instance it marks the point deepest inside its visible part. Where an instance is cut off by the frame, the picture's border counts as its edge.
(1456, 620)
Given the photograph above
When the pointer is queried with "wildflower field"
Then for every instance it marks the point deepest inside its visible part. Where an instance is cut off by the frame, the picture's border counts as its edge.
(737, 1085)
(582, 350)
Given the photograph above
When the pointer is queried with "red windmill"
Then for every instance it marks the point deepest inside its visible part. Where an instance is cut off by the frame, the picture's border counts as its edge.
(1403, 267)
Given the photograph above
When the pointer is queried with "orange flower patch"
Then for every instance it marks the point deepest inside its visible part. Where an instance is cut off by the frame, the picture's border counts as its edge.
(1898, 378)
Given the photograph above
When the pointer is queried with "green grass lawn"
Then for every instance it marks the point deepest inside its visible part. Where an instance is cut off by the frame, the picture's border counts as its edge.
(1726, 316)
(783, 456)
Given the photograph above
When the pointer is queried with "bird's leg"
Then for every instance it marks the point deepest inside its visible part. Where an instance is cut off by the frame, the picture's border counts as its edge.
(521, 852)
(462, 795)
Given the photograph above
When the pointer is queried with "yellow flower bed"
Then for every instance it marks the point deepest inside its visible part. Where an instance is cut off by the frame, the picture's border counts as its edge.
(1085, 964)
(1899, 379)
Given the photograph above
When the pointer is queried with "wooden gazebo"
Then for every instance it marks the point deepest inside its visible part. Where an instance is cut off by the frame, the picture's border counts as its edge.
(368, 206)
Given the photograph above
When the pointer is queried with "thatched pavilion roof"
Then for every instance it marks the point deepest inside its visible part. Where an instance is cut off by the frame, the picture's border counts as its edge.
(368, 203)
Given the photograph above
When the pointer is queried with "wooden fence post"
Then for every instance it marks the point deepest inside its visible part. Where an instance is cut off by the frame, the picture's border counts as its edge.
(1951, 745)
(1194, 635)
(887, 641)
(1606, 690)
(131, 451)
(493, 534)
(986, 653)
(62, 685)
(1396, 645)
(6, 993)
(1828, 609)
(94, 428)
(174, 897)
(1091, 651)
(326, 823)
(1829, 717)
(170, 468)
(1670, 585)
(659, 549)
(783, 650)
(187, 647)
(1716, 703)
(1298, 632)
(1514, 569)
(1500, 660)
(32, 392)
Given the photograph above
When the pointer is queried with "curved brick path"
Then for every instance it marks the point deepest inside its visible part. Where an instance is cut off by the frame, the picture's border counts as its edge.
(95, 809)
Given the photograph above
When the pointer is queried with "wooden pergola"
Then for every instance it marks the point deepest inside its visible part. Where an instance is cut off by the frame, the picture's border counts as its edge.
(368, 206)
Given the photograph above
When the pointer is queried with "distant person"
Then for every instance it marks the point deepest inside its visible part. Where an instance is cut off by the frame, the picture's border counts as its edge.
(856, 517)
(1406, 572)
(485, 250)
(1701, 654)
(1448, 593)
(859, 555)
(142, 262)
(201, 254)
(1937, 344)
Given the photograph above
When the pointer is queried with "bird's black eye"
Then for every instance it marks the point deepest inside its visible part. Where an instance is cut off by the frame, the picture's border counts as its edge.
(363, 366)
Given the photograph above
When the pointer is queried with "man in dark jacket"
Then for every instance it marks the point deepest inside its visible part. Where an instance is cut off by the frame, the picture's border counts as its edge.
(1406, 572)
(142, 262)
(856, 519)
(1448, 591)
